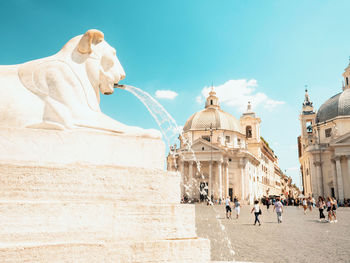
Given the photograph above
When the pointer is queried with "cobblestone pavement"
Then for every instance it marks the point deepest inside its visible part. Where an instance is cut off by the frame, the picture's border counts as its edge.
(300, 238)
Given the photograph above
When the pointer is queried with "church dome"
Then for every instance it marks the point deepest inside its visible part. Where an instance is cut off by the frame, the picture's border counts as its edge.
(338, 105)
(212, 115)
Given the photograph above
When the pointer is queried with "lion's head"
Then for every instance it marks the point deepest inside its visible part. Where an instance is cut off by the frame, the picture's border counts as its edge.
(68, 85)
(101, 63)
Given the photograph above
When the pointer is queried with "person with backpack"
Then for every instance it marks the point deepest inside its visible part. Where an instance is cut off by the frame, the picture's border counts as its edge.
(257, 212)
(228, 208)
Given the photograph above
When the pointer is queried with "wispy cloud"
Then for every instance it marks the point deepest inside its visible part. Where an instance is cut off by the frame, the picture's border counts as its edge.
(166, 94)
(237, 92)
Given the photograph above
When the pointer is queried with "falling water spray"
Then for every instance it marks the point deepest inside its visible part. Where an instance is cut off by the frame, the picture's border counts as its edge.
(171, 133)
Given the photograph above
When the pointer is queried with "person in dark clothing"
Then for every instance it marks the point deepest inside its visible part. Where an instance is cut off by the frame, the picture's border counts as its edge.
(257, 212)
(321, 205)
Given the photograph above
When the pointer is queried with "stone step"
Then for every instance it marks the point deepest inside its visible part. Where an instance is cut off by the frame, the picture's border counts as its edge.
(34, 221)
(172, 251)
(28, 181)
(43, 146)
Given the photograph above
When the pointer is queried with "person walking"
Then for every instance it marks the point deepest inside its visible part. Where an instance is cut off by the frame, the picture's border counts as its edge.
(237, 205)
(257, 211)
(228, 208)
(279, 210)
(304, 205)
(329, 209)
(309, 203)
(334, 209)
(267, 204)
(313, 202)
(321, 205)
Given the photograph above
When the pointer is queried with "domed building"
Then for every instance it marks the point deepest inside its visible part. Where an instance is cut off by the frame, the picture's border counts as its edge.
(324, 145)
(222, 156)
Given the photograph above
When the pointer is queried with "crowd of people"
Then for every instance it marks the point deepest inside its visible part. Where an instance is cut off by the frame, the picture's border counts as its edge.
(330, 205)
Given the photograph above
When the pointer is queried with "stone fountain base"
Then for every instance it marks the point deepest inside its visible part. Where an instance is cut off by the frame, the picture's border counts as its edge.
(60, 211)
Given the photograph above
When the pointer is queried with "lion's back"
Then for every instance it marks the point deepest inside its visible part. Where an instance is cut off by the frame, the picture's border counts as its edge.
(18, 106)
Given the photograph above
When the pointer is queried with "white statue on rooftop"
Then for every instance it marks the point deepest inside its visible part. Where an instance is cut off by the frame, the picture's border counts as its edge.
(63, 91)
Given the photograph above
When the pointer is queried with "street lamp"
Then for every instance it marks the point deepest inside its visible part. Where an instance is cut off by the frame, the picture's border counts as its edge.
(320, 155)
(211, 129)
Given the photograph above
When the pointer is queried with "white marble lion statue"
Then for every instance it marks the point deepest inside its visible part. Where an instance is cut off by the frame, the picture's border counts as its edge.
(63, 91)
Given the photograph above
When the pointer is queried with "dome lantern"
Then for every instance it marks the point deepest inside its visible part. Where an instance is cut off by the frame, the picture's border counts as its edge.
(212, 101)
(346, 75)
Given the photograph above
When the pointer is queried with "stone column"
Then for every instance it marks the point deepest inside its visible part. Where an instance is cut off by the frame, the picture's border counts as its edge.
(348, 159)
(319, 179)
(219, 165)
(339, 179)
(190, 178)
(314, 180)
(242, 182)
(246, 183)
(226, 179)
(210, 185)
(334, 173)
(182, 172)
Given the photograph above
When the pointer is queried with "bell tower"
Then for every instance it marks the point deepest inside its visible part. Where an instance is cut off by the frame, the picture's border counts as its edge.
(307, 119)
(250, 125)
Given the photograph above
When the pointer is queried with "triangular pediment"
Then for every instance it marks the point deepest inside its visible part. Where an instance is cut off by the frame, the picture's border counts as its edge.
(344, 139)
(200, 143)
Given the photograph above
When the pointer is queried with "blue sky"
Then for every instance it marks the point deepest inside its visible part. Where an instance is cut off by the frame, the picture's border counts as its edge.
(265, 51)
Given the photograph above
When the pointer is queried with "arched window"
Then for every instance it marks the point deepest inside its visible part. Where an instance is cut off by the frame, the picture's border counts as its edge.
(347, 81)
(211, 102)
(248, 132)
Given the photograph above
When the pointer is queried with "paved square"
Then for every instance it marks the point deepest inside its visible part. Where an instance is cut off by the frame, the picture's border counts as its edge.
(300, 238)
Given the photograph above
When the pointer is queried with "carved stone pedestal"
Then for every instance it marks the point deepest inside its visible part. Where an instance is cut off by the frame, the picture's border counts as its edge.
(56, 210)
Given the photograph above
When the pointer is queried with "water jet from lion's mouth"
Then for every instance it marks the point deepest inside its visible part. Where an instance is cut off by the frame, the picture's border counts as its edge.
(119, 86)
(172, 133)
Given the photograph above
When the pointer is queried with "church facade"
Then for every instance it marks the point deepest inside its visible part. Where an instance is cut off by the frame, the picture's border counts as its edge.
(324, 145)
(221, 156)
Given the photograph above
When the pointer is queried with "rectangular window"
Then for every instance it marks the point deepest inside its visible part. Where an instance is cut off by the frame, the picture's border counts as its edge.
(328, 132)
(205, 137)
(227, 139)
